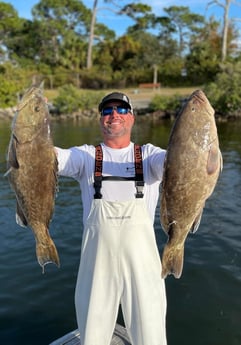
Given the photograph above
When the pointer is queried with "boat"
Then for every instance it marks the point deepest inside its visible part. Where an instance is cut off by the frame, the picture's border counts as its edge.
(120, 337)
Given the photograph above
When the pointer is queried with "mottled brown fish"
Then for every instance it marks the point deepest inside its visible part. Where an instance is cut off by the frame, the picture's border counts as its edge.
(191, 170)
(32, 171)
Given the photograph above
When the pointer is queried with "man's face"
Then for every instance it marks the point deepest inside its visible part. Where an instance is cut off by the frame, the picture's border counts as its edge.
(116, 124)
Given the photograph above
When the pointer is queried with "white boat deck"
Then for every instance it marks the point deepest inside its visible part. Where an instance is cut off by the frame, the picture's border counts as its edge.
(120, 337)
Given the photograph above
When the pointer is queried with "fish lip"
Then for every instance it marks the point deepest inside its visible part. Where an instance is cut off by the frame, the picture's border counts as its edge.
(199, 96)
(200, 99)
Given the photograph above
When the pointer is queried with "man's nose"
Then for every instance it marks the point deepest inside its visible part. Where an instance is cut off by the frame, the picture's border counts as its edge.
(114, 113)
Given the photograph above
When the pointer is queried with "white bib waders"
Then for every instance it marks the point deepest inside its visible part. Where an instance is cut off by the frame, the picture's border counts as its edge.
(120, 263)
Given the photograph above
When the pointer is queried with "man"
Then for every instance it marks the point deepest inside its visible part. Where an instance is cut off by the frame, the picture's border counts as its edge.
(119, 262)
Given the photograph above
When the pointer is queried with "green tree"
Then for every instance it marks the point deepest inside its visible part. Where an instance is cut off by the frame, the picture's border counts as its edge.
(181, 22)
(101, 33)
(12, 81)
(132, 10)
(60, 20)
(142, 16)
(226, 25)
(91, 35)
(123, 52)
(9, 25)
(148, 57)
(168, 43)
(202, 61)
(224, 92)
(23, 43)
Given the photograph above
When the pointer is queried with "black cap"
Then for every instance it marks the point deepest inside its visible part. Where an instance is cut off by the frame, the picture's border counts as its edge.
(115, 96)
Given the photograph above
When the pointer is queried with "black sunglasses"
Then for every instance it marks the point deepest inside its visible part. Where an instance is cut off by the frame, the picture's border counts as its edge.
(122, 110)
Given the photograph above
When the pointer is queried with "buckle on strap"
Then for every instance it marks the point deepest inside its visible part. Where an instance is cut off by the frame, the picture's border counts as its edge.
(139, 189)
(97, 187)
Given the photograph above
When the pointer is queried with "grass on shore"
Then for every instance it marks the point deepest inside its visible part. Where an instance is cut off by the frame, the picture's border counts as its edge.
(135, 93)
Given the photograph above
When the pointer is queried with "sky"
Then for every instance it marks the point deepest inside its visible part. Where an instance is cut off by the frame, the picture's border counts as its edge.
(120, 23)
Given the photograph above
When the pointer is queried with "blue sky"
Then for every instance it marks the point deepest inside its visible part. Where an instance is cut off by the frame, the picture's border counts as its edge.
(119, 23)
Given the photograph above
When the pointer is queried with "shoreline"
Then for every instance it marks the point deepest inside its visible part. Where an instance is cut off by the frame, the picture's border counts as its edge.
(141, 110)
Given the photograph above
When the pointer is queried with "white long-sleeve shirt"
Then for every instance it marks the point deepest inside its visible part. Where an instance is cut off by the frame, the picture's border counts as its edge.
(79, 162)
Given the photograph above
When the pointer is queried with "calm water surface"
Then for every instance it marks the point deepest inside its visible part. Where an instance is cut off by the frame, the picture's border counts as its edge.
(204, 306)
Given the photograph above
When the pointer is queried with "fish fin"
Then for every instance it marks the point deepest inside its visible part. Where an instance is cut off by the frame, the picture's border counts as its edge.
(47, 253)
(213, 161)
(172, 260)
(19, 221)
(196, 222)
(221, 160)
(12, 154)
(7, 172)
(56, 173)
(20, 217)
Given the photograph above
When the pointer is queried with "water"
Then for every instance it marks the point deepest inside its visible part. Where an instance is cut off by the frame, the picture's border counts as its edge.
(203, 306)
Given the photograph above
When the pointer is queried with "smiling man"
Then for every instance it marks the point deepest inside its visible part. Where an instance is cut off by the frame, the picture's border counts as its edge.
(117, 120)
(120, 262)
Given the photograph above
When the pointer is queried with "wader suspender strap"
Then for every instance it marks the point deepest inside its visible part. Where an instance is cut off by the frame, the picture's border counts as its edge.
(139, 178)
(98, 178)
(98, 172)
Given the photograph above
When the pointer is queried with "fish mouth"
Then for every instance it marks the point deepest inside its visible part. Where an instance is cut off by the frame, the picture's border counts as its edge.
(199, 96)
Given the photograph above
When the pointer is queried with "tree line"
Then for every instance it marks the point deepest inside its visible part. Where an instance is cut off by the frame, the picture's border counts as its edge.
(65, 44)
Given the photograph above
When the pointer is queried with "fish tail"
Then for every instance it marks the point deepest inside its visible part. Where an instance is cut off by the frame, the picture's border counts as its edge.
(47, 253)
(172, 260)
